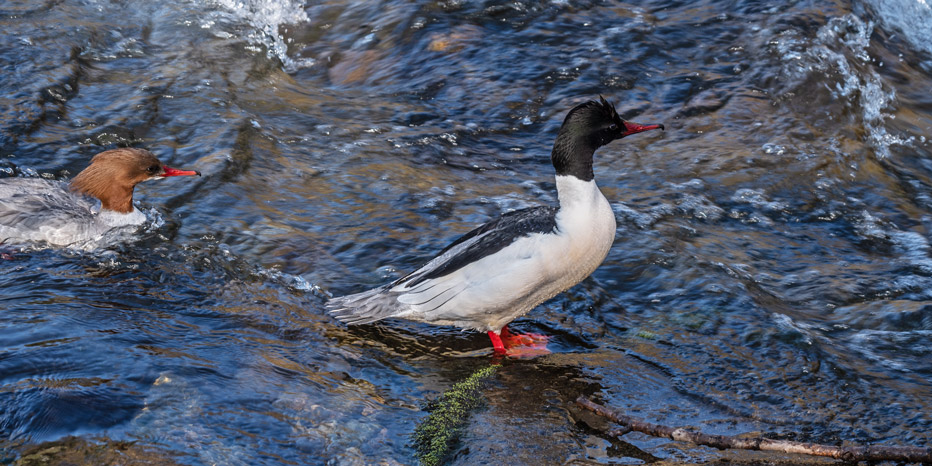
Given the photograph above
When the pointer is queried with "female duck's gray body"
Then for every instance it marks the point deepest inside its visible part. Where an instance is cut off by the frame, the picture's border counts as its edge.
(503, 269)
(36, 210)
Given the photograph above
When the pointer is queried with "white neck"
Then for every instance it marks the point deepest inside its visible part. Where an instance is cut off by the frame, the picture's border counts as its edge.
(583, 208)
(112, 218)
(572, 191)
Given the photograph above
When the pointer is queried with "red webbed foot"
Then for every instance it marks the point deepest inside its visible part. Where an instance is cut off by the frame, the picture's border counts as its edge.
(521, 345)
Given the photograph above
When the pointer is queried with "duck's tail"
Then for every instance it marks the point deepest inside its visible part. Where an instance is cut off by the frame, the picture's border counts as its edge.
(366, 307)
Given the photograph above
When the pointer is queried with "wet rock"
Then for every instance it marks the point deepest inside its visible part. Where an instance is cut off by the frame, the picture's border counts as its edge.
(354, 67)
(80, 451)
(455, 40)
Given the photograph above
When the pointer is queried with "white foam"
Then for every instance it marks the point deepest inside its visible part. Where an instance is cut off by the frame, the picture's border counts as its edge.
(267, 18)
(840, 49)
(882, 346)
(787, 323)
(643, 220)
(758, 199)
(294, 282)
(912, 247)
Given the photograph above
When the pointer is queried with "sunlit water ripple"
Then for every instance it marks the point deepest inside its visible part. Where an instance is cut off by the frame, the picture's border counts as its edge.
(771, 270)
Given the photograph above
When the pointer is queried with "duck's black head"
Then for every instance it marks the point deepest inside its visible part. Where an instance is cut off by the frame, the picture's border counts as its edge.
(587, 127)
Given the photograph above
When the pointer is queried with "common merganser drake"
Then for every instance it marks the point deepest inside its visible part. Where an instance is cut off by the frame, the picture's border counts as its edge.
(503, 269)
(62, 214)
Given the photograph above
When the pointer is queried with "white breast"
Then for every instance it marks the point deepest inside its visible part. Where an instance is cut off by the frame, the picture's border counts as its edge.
(586, 225)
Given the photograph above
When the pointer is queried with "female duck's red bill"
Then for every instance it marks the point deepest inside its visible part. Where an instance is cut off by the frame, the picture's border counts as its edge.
(169, 171)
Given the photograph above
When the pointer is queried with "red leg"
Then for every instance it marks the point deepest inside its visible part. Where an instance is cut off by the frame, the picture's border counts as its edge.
(528, 344)
(497, 342)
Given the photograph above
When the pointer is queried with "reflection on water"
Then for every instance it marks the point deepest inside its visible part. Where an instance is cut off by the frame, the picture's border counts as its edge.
(771, 270)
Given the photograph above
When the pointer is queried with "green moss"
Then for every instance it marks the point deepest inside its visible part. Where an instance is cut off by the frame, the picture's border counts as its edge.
(434, 436)
(646, 334)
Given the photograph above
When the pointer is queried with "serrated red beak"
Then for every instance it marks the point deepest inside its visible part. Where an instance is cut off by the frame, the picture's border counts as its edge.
(169, 171)
(632, 127)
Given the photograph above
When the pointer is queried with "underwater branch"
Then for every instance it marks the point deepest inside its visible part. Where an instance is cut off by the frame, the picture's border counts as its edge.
(848, 454)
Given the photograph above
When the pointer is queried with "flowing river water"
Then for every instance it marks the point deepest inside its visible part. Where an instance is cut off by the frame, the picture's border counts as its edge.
(771, 272)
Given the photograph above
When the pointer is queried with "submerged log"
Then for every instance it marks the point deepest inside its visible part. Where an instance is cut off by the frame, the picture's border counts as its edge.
(722, 442)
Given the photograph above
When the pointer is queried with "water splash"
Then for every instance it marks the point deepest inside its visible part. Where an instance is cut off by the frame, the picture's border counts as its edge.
(912, 248)
(268, 19)
(840, 50)
(293, 282)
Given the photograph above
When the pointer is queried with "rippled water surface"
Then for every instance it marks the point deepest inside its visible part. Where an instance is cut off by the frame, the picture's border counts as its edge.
(772, 269)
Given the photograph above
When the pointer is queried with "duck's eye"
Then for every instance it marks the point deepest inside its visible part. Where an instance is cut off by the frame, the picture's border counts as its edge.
(613, 127)
(153, 169)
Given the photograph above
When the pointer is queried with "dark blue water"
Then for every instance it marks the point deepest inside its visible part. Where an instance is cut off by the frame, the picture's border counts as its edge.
(771, 272)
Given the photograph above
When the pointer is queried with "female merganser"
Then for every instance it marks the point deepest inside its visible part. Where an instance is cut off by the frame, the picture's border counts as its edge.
(503, 269)
(39, 210)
